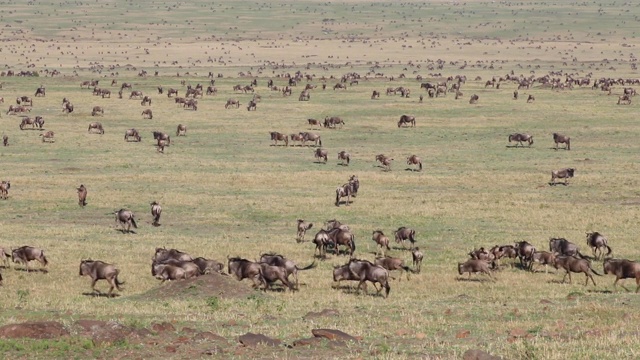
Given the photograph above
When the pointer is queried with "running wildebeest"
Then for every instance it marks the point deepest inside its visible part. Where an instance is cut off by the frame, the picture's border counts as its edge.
(415, 160)
(245, 269)
(381, 240)
(562, 174)
(156, 211)
(596, 242)
(99, 270)
(391, 264)
(385, 161)
(337, 237)
(271, 274)
(572, 264)
(407, 120)
(558, 138)
(417, 257)
(344, 156)
(276, 136)
(366, 271)
(126, 218)
(132, 133)
(48, 136)
(147, 114)
(543, 258)
(564, 247)
(96, 126)
(474, 266)
(24, 254)
(520, 138)
(302, 229)
(82, 195)
(289, 266)
(341, 272)
(4, 189)
(404, 233)
(181, 130)
(623, 269)
(97, 110)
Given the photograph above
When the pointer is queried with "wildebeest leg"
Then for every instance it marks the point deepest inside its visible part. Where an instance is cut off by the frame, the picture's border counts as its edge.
(589, 276)
(565, 276)
(637, 283)
(93, 285)
(360, 284)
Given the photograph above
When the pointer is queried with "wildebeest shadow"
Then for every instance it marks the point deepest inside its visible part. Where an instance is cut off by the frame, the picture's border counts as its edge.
(100, 294)
(348, 289)
(556, 281)
(517, 146)
(601, 291)
(554, 184)
(341, 164)
(412, 170)
(43, 271)
(123, 231)
(344, 202)
(475, 279)
(320, 162)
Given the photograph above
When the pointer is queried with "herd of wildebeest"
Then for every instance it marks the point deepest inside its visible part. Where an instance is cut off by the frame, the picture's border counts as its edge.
(172, 264)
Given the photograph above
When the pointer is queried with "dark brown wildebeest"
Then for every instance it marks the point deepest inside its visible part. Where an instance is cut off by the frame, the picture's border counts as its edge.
(525, 253)
(145, 101)
(321, 241)
(305, 95)
(314, 122)
(160, 90)
(391, 264)
(342, 273)
(346, 190)
(114, 82)
(623, 269)
(166, 272)
(344, 156)
(208, 266)
(296, 137)
(136, 94)
(82, 195)
(48, 137)
(105, 93)
(515, 94)
(519, 137)
(407, 120)
(366, 271)
(474, 99)
(24, 100)
(276, 136)
(5, 185)
(332, 122)
(543, 258)
(172, 92)
(302, 229)
(417, 257)
(36, 122)
(99, 270)
(558, 138)
(624, 100)
(132, 133)
(564, 247)
(181, 130)
(159, 135)
(414, 160)
(381, 240)
(404, 233)
(562, 174)
(211, 90)
(147, 114)
(245, 269)
(5, 140)
(307, 136)
(97, 110)
(156, 211)
(375, 95)
(531, 99)
(596, 242)
(96, 126)
(67, 108)
(252, 105)
(41, 91)
(24, 254)
(125, 218)
(340, 86)
(232, 102)
(385, 161)
(572, 264)
(475, 266)
(160, 145)
(338, 236)
(163, 254)
(289, 266)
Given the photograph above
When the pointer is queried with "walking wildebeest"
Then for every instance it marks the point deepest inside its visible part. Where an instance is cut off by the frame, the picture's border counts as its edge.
(344, 156)
(417, 257)
(367, 271)
(159, 135)
(415, 160)
(572, 264)
(346, 190)
(531, 99)
(145, 101)
(156, 211)
(314, 122)
(391, 264)
(597, 241)
(558, 138)
(48, 136)
(97, 110)
(562, 174)
(276, 136)
(289, 266)
(407, 120)
(302, 229)
(125, 217)
(375, 95)
(96, 126)
(40, 91)
(564, 247)
(307, 136)
(132, 133)
(25, 254)
(36, 122)
(623, 269)
(4, 189)
(252, 105)
(99, 270)
(332, 122)
(147, 114)
(381, 240)
(321, 154)
(338, 236)
(82, 195)
(181, 130)
(245, 269)
(520, 138)
(404, 233)
(474, 266)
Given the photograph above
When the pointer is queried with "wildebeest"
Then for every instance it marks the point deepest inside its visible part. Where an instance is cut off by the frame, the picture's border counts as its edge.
(171, 92)
(531, 99)
(132, 133)
(417, 257)
(160, 145)
(342, 273)
(296, 137)
(302, 229)
(381, 240)
(623, 269)
(596, 242)
(314, 122)
(543, 258)
(366, 271)
(572, 264)
(307, 136)
(375, 95)
(346, 190)
(232, 102)
(147, 114)
(4, 189)
(344, 156)
(126, 218)
(156, 211)
(82, 195)
(385, 161)
(67, 107)
(337, 237)
(289, 266)
(391, 264)
(276, 136)
(24, 100)
(181, 130)
(525, 253)
(415, 160)
(500, 251)
(96, 126)
(404, 233)
(407, 120)
(136, 94)
(474, 266)
(48, 137)
(97, 110)
(305, 95)
(168, 272)
(252, 105)
(105, 93)
(562, 174)
(41, 91)
(159, 135)
(99, 270)
(564, 247)
(146, 100)
(5, 256)
(163, 254)
(340, 86)
(207, 266)
(24, 254)
(558, 138)
(624, 100)
(333, 121)
(5, 140)
(245, 269)
(17, 109)
(482, 254)
(37, 122)
(520, 138)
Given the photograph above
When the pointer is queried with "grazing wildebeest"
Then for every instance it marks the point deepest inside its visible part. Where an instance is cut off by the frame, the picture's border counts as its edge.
(307, 136)
(146, 100)
(381, 240)
(132, 133)
(474, 266)
(404, 233)
(125, 217)
(624, 100)
(344, 156)
(391, 264)
(181, 130)
(36, 122)
(333, 121)
(531, 99)
(48, 136)
(366, 271)
(564, 247)
(407, 120)
(346, 190)
(147, 114)
(340, 86)
(40, 91)
(314, 122)
(82, 195)
(305, 95)
(525, 253)
(25, 254)
(623, 269)
(543, 258)
(168, 272)
(289, 266)
(105, 93)
(276, 136)
(417, 257)
(252, 105)
(572, 264)
(520, 138)
(96, 126)
(24, 100)
(99, 270)
(67, 107)
(5, 140)
(97, 110)
(208, 266)
(558, 138)
(375, 95)
(415, 160)
(302, 229)
(211, 90)
(232, 102)
(596, 242)
(160, 145)
(562, 174)
(171, 92)
(385, 161)
(245, 269)
(137, 94)
(159, 135)
(163, 254)
(474, 99)
(4, 189)
(156, 211)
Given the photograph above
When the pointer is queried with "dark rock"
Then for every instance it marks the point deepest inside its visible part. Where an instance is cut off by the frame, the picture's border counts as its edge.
(163, 327)
(251, 339)
(332, 334)
(209, 336)
(33, 330)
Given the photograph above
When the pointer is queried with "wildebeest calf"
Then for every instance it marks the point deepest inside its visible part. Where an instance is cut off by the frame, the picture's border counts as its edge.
(543, 258)
(417, 256)
(391, 264)
(366, 271)
(99, 270)
(562, 174)
(474, 266)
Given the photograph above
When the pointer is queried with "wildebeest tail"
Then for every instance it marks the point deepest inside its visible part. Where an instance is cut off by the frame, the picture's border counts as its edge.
(412, 236)
(408, 269)
(133, 222)
(352, 244)
(118, 282)
(595, 272)
(311, 266)
(320, 142)
(338, 196)
(44, 259)
(387, 289)
(608, 249)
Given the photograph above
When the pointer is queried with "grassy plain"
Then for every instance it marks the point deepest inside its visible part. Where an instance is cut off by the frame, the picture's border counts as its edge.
(226, 191)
